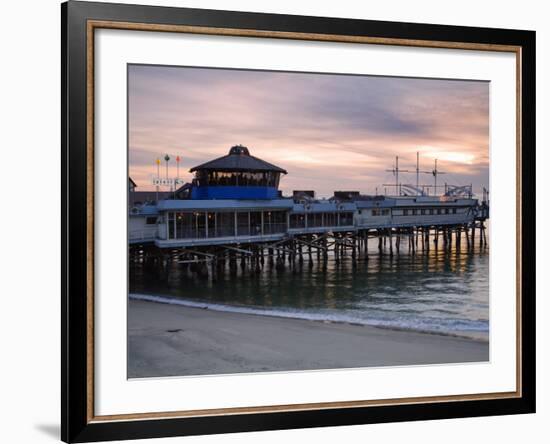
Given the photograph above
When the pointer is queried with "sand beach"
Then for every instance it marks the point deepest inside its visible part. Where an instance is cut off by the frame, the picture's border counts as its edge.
(174, 340)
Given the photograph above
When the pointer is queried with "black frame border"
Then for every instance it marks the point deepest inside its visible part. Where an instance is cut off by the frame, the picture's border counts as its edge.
(75, 425)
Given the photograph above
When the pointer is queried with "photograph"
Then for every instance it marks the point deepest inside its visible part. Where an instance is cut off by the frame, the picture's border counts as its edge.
(284, 221)
(294, 220)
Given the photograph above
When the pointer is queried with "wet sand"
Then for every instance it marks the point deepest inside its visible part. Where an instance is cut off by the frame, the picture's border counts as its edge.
(172, 340)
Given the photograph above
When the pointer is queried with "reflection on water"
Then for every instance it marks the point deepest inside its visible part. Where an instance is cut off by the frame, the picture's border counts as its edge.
(438, 291)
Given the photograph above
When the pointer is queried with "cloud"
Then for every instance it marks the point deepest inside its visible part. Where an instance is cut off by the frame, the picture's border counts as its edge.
(328, 131)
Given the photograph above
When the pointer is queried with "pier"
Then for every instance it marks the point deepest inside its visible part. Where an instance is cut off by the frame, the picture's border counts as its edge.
(295, 251)
(233, 216)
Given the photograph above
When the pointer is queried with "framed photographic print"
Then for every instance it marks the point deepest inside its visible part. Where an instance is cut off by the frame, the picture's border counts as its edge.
(276, 221)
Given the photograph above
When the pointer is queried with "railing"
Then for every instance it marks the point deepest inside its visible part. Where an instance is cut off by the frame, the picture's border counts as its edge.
(229, 231)
(327, 228)
(275, 228)
(249, 230)
(414, 221)
(221, 231)
(255, 231)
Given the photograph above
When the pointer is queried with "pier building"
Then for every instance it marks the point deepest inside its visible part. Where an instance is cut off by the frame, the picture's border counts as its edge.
(234, 206)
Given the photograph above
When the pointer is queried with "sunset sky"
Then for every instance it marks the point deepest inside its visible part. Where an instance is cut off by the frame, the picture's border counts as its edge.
(330, 132)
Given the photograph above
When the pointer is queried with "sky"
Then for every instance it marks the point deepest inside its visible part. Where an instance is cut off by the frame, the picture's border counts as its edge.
(329, 131)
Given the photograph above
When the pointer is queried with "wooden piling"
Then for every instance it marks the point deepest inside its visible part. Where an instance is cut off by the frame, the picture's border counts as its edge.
(427, 239)
(397, 241)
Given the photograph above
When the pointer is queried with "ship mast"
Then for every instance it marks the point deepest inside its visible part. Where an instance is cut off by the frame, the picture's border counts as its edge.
(420, 191)
(395, 170)
(417, 169)
(435, 173)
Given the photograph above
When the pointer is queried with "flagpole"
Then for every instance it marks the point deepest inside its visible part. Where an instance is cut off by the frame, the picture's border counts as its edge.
(158, 177)
(167, 158)
(176, 183)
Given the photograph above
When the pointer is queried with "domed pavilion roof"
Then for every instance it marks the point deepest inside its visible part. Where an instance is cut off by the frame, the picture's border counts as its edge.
(238, 159)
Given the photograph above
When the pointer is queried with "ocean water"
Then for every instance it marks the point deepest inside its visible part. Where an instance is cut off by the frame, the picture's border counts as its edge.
(441, 292)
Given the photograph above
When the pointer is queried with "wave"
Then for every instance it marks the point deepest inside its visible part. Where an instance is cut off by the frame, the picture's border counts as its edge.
(470, 329)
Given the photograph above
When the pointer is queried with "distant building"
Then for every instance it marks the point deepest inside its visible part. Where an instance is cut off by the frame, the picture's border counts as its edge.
(131, 185)
(346, 195)
(303, 195)
(150, 197)
(131, 190)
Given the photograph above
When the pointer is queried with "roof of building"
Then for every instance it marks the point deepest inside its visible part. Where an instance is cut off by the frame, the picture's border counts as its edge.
(212, 204)
(375, 203)
(144, 210)
(324, 206)
(138, 197)
(238, 159)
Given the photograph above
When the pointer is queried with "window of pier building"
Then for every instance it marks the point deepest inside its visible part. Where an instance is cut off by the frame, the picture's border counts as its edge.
(380, 212)
(183, 225)
(315, 220)
(189, 225)
(237, 178)
(323, 219)
(331, 219)
(345, 219)
(274, 222)
(297, 221)
(249, 223)
(224, 224)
